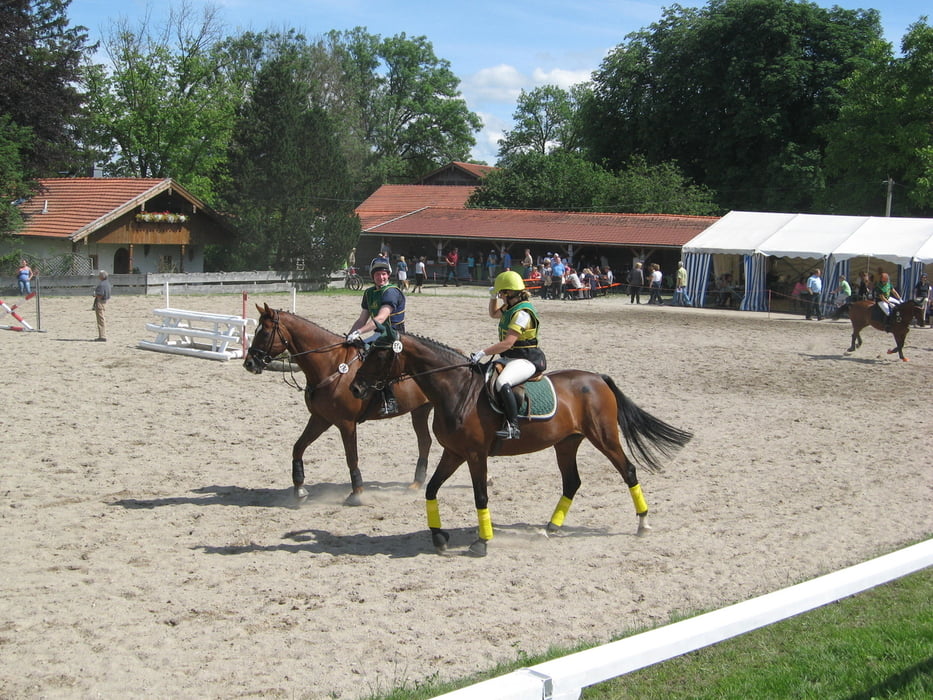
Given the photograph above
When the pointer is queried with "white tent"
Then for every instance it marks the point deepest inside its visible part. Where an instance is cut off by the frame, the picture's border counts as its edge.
(834, 239)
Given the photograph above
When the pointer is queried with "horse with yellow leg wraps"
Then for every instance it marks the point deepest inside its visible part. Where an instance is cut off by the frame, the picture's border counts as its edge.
(589, 406)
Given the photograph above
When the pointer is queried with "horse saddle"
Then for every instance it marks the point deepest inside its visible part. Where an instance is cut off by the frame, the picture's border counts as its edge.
(878, 315)
(536, 397)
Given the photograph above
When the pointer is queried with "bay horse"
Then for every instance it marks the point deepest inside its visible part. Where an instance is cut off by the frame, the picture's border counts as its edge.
(863, 313)
(589, 405)
(329, 364)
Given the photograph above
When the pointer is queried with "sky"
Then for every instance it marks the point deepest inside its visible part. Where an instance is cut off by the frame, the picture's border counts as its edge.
(497, 49)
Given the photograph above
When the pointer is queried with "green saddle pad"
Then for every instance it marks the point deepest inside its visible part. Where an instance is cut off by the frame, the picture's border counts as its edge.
(536, 400)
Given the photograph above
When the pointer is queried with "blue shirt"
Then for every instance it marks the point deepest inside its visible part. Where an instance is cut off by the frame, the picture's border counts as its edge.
(814, 284)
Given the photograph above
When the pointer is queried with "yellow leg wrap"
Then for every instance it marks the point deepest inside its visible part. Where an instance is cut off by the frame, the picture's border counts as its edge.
(434, 513)
(563, 505)
(638, 498)
(485, 523)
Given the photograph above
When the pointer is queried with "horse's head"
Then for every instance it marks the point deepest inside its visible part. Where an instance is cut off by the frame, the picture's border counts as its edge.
(268, 342)
(381, 363)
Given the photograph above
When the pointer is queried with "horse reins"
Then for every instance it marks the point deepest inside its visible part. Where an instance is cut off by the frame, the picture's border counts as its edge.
(265, 358)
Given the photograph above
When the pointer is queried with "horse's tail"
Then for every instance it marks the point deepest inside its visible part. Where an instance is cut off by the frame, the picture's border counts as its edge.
(644, 434)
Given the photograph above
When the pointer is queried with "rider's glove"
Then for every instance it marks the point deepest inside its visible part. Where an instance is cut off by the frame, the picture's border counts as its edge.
(353, 336)
(477, 356)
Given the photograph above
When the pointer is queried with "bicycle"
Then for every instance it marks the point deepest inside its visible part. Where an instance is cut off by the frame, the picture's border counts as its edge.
(353, 280)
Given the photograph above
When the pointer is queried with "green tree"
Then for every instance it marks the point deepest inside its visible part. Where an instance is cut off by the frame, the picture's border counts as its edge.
(406, 102)
(40, 79)
(564, 181)
(544, 122)
(735, 92)
(288, 187)
(884, 131)
(167, 105)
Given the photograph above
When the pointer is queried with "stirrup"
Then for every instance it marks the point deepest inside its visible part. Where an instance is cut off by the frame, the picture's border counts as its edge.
(509, 432)
(389, 407)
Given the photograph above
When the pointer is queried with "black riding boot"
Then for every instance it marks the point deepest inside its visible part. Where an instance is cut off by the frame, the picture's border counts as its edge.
(509, 430)
(389, 404)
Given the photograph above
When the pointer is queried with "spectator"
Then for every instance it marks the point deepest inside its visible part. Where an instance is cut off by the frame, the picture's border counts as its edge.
(558, 270)
(24, 277)
(491, 262)
(814, 289)
(528, 263)
(451, 260)
(681, 297)
(656, 278)
(636, 280)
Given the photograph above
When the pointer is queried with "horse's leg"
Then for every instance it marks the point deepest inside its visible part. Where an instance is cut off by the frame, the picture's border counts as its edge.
(570, 479)
(448, 464)
(856, 337)
(419, 421)
(313, 430)
(348, 435)
(900, 337)
(608, 443)
(478, 473)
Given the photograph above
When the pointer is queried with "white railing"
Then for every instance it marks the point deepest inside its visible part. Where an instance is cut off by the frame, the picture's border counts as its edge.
(564, 678)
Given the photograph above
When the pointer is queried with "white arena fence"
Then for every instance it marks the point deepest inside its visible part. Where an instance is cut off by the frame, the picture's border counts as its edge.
(565, 678)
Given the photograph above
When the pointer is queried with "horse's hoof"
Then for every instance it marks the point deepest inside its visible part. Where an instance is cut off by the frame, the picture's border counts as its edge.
(551, 530)
(643, 526)
(439, 539)
(354, 499)
(301, 494)
(478, 548)
(415, 485)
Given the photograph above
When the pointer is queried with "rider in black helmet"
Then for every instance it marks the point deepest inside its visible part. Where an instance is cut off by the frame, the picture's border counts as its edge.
(382, 303)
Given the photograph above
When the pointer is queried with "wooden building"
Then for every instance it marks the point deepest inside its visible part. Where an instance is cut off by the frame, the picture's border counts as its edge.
(123, 225)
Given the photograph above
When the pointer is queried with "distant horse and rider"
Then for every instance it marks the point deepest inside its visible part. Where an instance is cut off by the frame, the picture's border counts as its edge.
(897, 323)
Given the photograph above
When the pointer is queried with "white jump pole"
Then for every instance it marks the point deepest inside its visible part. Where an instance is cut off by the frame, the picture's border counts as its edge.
(294, 298)
(165, 293)
(244, 334)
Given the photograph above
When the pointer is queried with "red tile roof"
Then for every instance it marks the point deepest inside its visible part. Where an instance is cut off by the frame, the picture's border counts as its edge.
(435, 211)
(75, 207)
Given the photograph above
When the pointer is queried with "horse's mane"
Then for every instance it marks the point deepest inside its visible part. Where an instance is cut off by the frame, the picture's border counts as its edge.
(306, 320)
(455, 355)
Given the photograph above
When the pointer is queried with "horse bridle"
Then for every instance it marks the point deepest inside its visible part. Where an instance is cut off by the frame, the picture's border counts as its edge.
(264, 357)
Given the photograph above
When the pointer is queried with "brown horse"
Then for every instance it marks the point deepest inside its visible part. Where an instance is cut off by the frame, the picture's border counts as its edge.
(589, 406)
(329, 364)
(863, 313)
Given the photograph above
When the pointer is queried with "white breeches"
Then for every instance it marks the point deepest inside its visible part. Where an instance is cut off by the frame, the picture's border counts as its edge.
(515, 372)
(887, 305)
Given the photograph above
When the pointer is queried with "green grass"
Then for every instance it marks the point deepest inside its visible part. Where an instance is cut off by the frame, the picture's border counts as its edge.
(878, 644)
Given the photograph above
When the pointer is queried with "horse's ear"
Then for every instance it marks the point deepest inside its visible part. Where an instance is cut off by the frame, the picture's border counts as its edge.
(260, 309)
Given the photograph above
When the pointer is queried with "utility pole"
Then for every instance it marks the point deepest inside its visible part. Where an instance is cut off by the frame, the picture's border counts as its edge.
(887, 206)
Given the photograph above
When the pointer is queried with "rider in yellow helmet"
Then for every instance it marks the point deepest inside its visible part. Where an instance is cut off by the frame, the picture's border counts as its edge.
(517, 347)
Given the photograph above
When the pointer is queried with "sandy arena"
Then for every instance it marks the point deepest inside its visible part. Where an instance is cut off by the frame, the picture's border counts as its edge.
(151, 547)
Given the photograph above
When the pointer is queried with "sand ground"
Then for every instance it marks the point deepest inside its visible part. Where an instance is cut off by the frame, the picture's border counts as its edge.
(151, 547)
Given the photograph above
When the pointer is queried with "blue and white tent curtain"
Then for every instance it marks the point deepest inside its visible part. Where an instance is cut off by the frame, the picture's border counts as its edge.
(697, 266)
(909, 275)
(756, 283)
(834, 269)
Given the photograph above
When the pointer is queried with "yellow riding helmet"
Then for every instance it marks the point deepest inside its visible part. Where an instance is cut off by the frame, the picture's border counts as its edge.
(510, 280)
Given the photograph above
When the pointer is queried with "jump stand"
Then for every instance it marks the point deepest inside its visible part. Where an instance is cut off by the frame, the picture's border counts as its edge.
(7, 309)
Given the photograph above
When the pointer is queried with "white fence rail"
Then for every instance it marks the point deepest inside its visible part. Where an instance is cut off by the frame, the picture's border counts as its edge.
(564, 678)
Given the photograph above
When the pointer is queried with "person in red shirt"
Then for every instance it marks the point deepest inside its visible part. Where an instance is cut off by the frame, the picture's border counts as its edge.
(452, 258)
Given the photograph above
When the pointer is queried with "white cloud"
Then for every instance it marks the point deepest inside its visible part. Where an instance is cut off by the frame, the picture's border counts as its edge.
(560, 77)
(501, 83)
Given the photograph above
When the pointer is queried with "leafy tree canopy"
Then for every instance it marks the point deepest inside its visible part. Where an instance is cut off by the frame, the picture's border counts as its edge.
(884, 131)
(735, 92)
(567, 182)
(288, 192)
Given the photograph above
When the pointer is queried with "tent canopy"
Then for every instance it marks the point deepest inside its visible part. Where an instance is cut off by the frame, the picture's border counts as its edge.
(897, 240)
